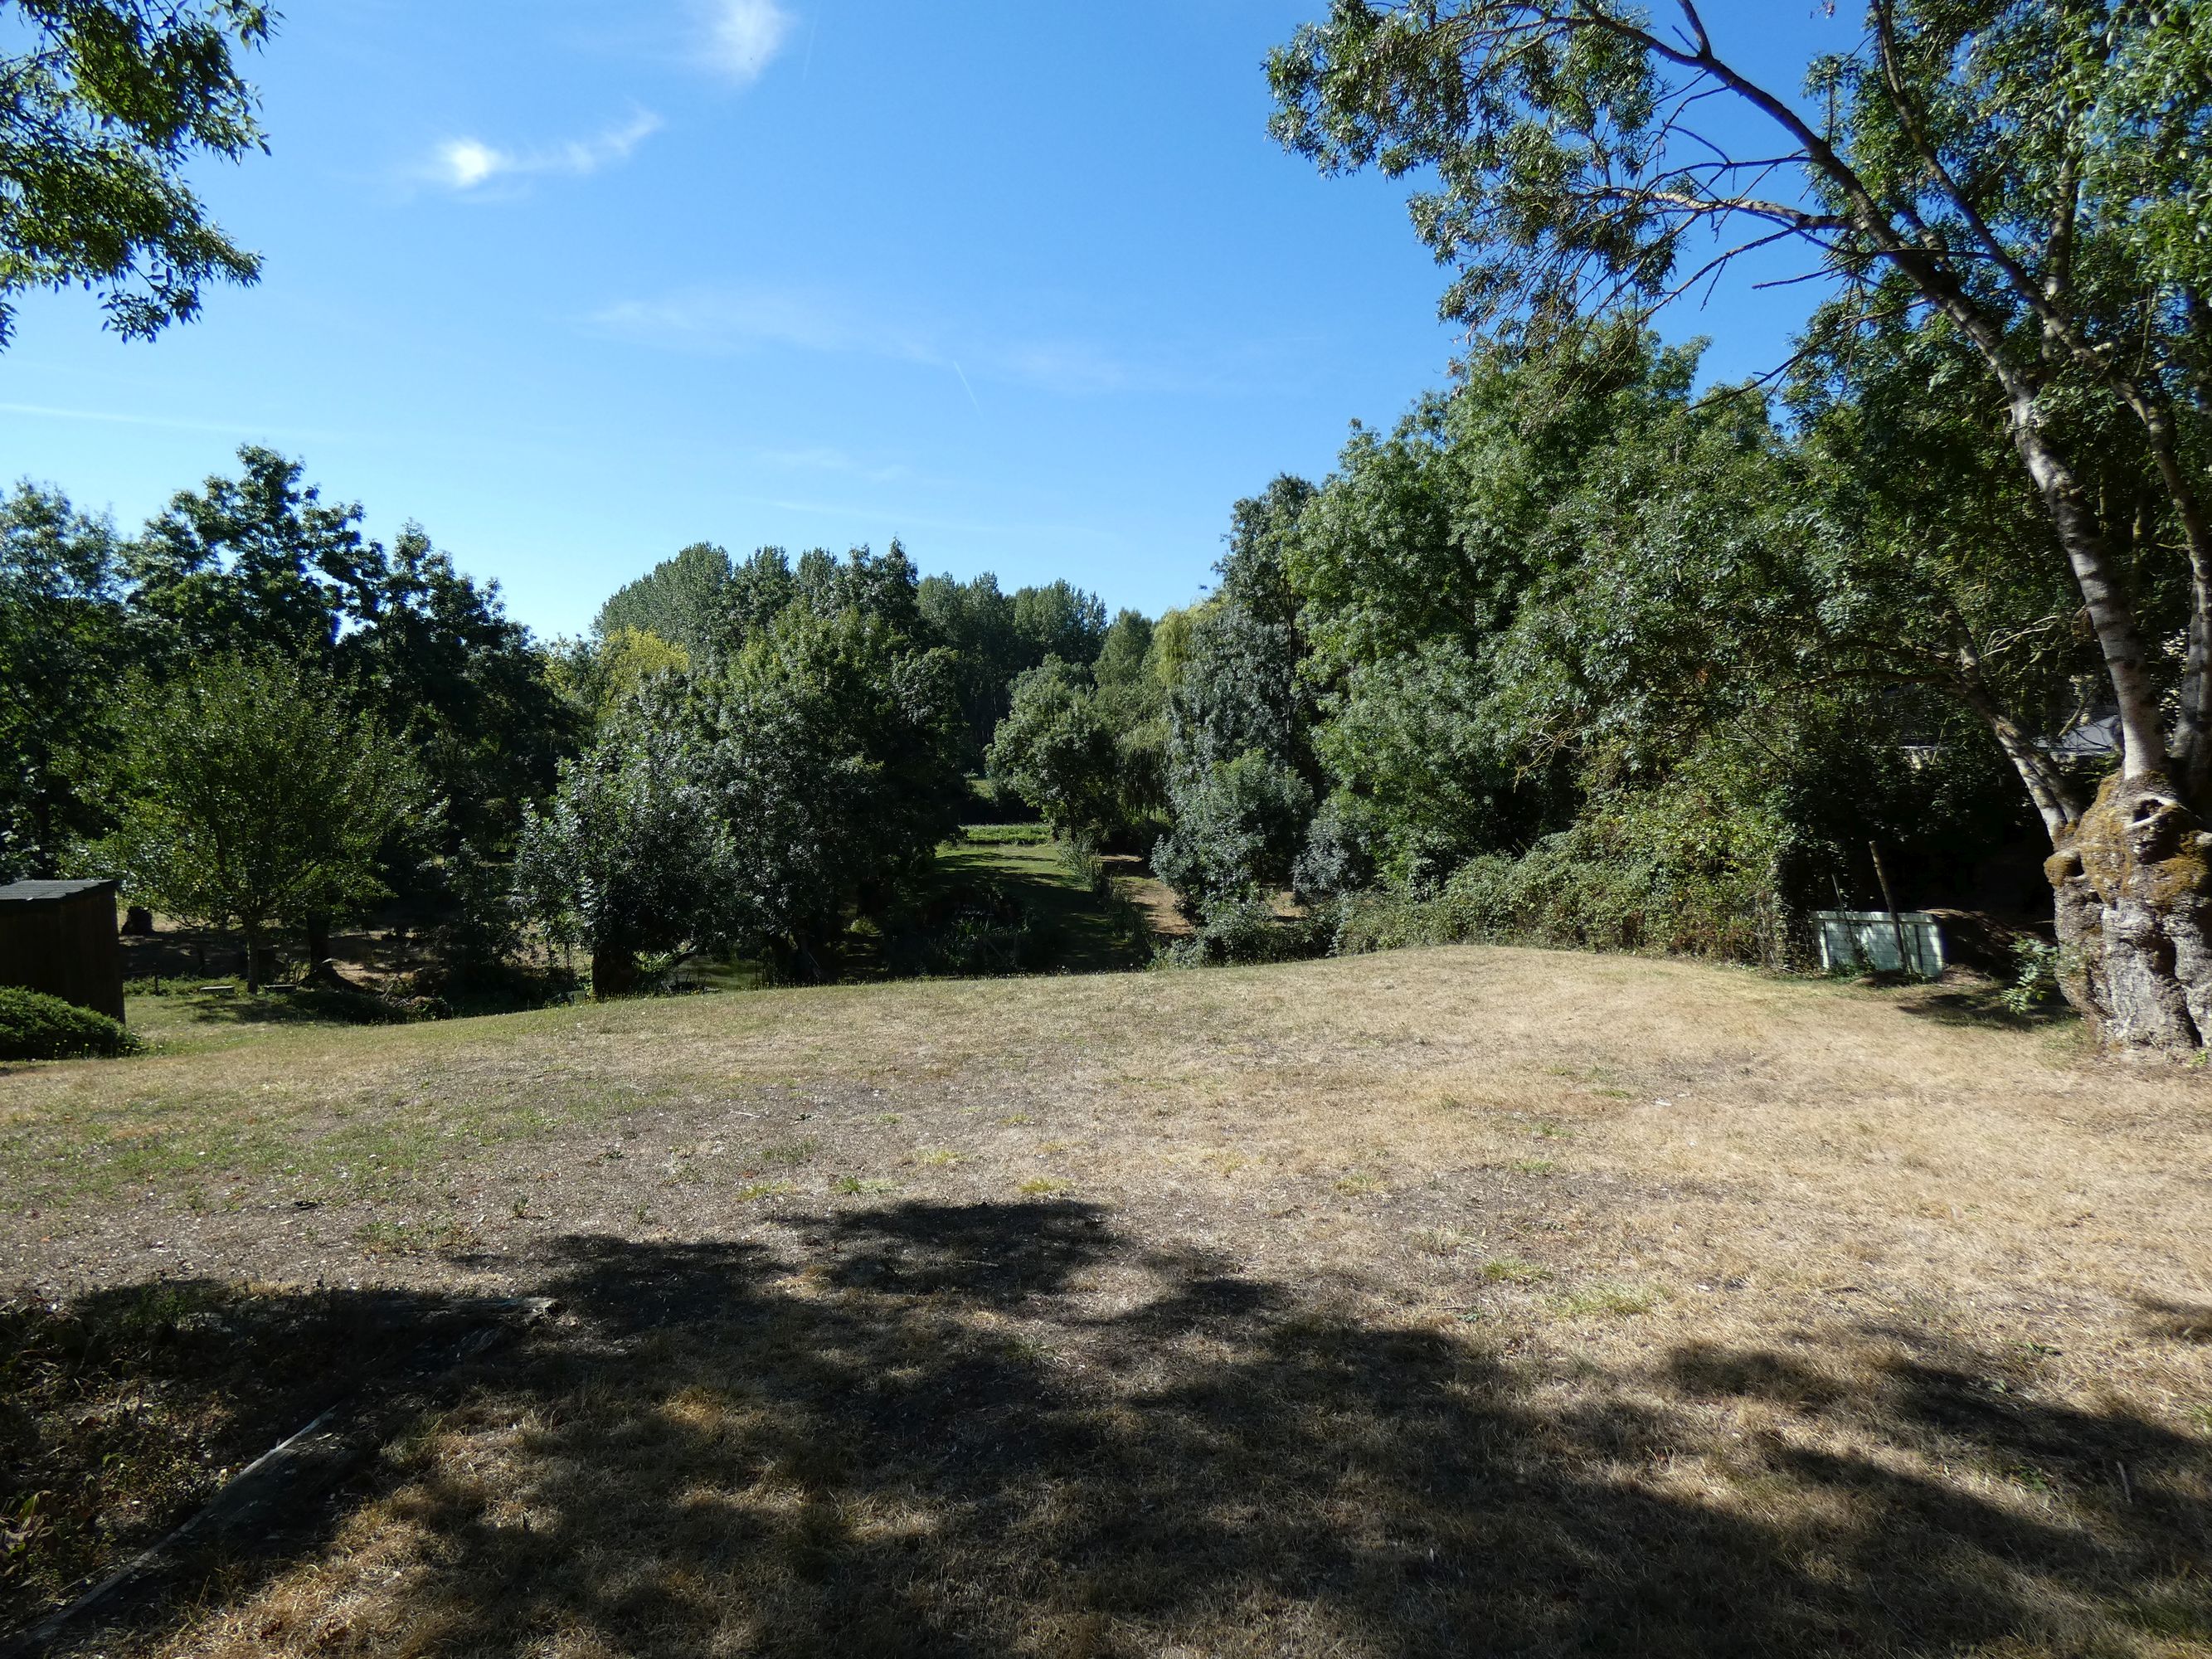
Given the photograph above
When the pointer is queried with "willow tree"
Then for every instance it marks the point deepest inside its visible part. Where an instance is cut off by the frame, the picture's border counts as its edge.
(2027, 174)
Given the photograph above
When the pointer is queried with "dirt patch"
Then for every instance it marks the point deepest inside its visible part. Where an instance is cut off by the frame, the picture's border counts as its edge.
(1154, 899)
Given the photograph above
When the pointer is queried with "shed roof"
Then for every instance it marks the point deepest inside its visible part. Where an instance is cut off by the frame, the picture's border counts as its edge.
(50, 892)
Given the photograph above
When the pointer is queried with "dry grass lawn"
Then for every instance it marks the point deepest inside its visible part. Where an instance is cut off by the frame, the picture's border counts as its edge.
(1441, 1302)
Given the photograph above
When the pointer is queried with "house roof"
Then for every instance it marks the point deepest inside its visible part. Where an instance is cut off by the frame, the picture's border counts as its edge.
(2101, 735)
(50, 892)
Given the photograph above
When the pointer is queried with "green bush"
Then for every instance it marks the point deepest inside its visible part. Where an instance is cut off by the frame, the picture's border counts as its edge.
(1644, 873)
(2037, 987)
(1247, 930)
(35, 1026)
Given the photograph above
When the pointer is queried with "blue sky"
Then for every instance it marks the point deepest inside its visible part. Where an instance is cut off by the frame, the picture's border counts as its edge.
(1027, 286)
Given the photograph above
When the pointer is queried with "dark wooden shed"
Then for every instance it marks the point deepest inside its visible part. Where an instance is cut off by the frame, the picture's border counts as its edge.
(59, 937)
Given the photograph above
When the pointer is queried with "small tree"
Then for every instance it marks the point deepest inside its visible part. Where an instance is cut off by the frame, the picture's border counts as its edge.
(631, 854)
(836, 760)
(1238, 824)
(1239, 762)
(1056, 752)
(248, 792)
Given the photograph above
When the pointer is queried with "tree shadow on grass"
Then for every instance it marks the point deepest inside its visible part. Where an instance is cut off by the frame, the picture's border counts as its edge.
(1009, 1429)
(122, 1412)
(1977, 1004)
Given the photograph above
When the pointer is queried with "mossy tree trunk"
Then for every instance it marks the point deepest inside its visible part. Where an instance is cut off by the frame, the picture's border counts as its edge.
(2133, 879)
(2131, 875)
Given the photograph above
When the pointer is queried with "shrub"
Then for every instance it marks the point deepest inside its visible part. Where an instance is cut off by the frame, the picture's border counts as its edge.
(1640, 874)
(2036, 989)
(1247, 930)
(1237, 828)
(35, 1026)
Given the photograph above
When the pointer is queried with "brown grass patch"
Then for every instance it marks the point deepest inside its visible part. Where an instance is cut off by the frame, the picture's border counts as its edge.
(1830, 1325)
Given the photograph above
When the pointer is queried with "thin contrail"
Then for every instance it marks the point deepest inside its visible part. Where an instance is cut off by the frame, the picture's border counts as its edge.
(962, 374)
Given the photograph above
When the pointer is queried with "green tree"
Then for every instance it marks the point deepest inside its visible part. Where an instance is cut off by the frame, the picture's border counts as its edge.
(599, 678)
(759, 590)
(2026, 176)
(1058, 620)
(1239, 764)
(248, 792)
(258, 562)
(101, 108)
(62, 650)
(631, 854)
(436, 657)
(882, 585)
(262, 563)
(1133, 703)
(975, 622)
(833, 751)
(683, 599)
(1130, 693)
(1239, 824)
(1056, 752)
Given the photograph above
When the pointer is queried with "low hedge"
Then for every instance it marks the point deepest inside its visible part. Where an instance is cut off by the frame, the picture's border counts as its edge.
(35, 1026)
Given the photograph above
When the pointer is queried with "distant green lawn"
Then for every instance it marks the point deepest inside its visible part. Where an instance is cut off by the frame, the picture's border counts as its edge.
(1026, 863)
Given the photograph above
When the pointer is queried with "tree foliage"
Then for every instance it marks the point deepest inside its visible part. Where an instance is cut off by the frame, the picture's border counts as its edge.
(835, 754)
(766, 805)
(683, 600)
(1057, 753)
(2018, 180)
(251, 794)
(630, 854)
(63, 648)
(101, 109)
(261, 562)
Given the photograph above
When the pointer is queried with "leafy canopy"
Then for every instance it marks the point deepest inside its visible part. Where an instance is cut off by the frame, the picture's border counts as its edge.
(252, 792)
(100, 110)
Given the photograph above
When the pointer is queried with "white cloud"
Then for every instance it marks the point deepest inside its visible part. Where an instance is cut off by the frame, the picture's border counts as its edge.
(742, 35)
(469, 164)
(718, 321)
(722, 321)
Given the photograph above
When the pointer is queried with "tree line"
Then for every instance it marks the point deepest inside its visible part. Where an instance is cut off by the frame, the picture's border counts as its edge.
(779, 747)
(2003, 202)
(258, 717)
(1576, 650)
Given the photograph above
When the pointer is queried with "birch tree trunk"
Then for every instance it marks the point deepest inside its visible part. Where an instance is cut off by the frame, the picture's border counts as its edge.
(2131, 879)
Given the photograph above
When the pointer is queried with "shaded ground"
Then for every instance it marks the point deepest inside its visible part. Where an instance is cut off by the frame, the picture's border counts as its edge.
(1084, 935)
(1445, 1301)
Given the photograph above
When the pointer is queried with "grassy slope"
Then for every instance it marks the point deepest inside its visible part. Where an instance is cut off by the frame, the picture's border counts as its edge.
(1430, 1300)
(1023, 862)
